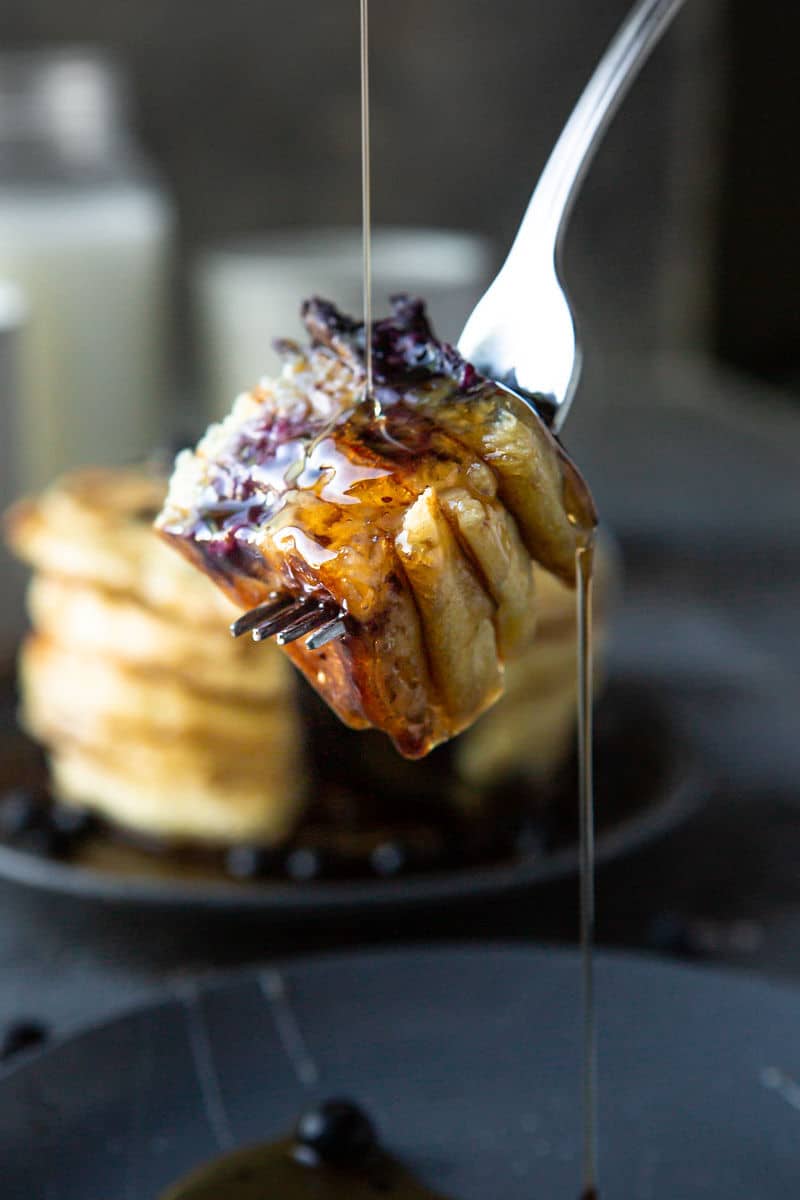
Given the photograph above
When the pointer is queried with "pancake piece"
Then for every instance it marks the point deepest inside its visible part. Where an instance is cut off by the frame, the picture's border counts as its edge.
(416, 526)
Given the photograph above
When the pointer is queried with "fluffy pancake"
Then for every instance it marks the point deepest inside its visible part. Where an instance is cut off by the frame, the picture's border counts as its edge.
(97, 700)
(95, 525)
(116, 626)
(182, 792)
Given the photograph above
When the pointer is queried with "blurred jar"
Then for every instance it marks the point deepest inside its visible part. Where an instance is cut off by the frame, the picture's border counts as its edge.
(249, 291)
(84, 233)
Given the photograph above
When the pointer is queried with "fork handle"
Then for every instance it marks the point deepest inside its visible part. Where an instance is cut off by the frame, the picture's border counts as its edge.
(550, 205)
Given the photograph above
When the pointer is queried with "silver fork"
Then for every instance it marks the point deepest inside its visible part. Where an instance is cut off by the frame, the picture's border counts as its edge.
(522, 331)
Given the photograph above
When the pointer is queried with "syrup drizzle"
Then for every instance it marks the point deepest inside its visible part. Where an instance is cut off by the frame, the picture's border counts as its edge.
(584, 562)
(366, 207)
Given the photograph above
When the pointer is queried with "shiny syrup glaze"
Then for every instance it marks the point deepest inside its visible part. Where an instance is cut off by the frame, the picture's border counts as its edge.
(380, 463)
(280, 1170)
(337, 546)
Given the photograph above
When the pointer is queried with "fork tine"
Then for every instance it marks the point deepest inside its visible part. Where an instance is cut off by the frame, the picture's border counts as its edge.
(256, 616)
(306, 623)
(328, 633)
(282, 619)
(289, 619)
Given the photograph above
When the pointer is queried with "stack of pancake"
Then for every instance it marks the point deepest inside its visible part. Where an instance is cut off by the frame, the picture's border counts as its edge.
(152, 715)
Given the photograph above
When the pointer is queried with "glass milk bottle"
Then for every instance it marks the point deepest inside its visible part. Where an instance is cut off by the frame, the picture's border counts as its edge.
(84, 234)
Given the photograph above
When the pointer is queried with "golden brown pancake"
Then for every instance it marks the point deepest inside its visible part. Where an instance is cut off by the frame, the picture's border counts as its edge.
(95, 525)
(183, 792)
(116, 626)
(98, 700)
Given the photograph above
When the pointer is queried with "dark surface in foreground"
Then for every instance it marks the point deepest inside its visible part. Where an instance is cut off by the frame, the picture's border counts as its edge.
(466, 1060)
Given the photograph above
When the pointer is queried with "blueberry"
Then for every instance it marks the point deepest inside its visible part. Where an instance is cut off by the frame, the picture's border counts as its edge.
(389, 858)
(249, 862)
(304, 864)
(44, 841)
(532, 840)
(670, 933)
(22, 1035)
(71, 821)
(337, 1132)
(20, 811)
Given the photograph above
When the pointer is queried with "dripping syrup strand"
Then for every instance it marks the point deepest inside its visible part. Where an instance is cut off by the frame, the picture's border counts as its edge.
(366, 206)
(295, 470)
(584, 560)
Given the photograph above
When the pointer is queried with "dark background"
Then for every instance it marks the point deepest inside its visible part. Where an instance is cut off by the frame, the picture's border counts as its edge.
(684, 234)
(757, 319)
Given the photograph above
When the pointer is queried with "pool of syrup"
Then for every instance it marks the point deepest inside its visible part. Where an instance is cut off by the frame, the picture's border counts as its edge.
(278, 1170)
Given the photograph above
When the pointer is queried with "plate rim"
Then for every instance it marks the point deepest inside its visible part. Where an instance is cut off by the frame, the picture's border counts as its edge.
(196, 986)
(686, 789)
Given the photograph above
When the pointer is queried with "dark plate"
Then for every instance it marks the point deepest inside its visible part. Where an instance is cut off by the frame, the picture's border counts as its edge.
(468, 1060)
(647, 783)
